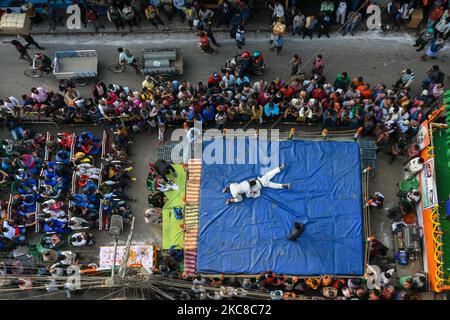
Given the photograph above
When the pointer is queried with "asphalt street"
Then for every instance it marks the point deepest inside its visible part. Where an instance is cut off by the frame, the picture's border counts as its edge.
(376, 57)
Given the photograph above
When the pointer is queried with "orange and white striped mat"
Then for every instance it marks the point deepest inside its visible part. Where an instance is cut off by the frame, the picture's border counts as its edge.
(193, 183)
(194, 168)
(190, 261)
(191, 222)
(191, 215)
(190, 239)
(192, 192)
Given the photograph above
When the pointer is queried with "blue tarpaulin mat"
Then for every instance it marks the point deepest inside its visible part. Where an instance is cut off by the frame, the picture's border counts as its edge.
(250, 237)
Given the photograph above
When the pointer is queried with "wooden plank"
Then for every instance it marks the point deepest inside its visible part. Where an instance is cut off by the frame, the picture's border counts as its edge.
(104, 139)
(37, 224)
(72, 146)
(8, 211)
(100, 211)
(46, 152)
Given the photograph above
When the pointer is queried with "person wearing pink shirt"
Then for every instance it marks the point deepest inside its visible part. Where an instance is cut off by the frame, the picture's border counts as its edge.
(39, 94)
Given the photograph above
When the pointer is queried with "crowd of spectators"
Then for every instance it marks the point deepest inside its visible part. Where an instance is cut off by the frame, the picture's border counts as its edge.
(392, 115)
(61, 188)
(134, 13)
(37, 172)
(225, 99)
(378, 283)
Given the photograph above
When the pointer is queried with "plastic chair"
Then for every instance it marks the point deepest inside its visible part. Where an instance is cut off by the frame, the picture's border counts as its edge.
(150, 183)
(14, 190)
(407, 185)
(5, 183)
(37, 249)
(69, 240)
(150, 200)
(276, 295)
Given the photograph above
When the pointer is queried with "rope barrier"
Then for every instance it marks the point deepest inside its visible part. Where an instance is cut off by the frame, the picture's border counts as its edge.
(437, 244)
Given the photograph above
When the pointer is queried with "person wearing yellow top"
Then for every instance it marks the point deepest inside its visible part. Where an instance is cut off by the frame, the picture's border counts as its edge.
(257, 113)
(146, 94)
(122, 131)
(149, 84)
(152, 14)
(191, 14)
(358, 82)
(313, 283)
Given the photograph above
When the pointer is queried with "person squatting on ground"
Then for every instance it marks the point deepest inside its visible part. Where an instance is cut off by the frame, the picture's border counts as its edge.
(425, 37)
(114, 15)
(152, 14)
(92, 17)
(296, 232)
(414, 166)
(376, 201)
(406, 79)
(163, 168)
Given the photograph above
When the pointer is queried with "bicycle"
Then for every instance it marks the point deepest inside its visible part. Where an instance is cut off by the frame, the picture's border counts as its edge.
(36, 70)
(80, 81)
(160, 79)
(117, 67)
(121, 67)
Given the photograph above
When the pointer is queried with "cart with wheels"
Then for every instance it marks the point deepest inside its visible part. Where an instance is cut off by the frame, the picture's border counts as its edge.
(77, 65)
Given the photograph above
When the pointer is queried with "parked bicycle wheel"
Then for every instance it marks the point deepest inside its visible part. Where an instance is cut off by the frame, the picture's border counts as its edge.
(80, 81)
(33, 73)
(116, 68)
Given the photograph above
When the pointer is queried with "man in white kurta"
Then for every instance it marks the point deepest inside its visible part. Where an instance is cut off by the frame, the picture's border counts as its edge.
(237, 190)
(252, 188)
(266, 182)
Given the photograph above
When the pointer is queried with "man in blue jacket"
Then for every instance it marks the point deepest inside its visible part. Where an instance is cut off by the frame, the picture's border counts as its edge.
(271, 110)
(180, 7)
